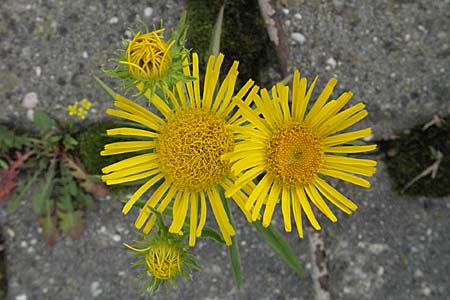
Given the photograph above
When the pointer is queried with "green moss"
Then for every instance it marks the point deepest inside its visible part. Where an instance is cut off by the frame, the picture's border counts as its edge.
(410, 155)
(243, 38)
(91, 142)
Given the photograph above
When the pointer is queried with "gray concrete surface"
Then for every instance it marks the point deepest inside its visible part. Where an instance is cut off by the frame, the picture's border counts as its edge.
(394, 55)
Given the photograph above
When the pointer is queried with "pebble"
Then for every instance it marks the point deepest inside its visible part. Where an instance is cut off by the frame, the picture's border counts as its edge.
(122, 273)
(95, 289)
(418, 274)
(285, 10)
(10, 232)
(380, 271)
(30, 100)
(113, 20)
(30, 114)
(298, 37)
(33, 242)
(331, 62)
(148, 11)
(426, 291)
(38, 71)
(23, 244)
(84, 54)
(116, 238)
(21, 297)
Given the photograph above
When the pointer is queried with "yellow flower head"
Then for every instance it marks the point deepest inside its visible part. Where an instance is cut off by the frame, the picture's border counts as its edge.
(81, 113)
(86, 104)
(150, 61)
(183, 150)
(164, 257)
(291, 150)
(72, 109)
(148, 55)
(163, 260)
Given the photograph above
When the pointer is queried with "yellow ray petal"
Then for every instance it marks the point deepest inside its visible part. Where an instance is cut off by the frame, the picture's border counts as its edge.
(297, 209)
(135, 118)
(197, 97)
(322, 99)
(226, 89)
(336, 159)
(130, 162)
(126, 208)
(263, 185)
(201, 224)
(193, 219)
(286, 208)
(272, 200)
(132, 132)
(151, 202)
(130, 171)
(318, 201)
(179, 215)
(244, 179)
(334, 196)
(306, 207)
(351, 149)
(346, 137)
(355, 169)
(261, 198)
(346, 177)
(133, 177)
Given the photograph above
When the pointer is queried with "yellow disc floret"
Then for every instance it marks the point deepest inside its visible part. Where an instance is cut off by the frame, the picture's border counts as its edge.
(190, 146)
(164, 260)
(148, 55)
(294, 154)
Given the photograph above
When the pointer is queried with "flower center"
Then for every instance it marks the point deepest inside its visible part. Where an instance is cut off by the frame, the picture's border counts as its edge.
(190, 147)
(163, 261)
(294, 154)
(148, 56)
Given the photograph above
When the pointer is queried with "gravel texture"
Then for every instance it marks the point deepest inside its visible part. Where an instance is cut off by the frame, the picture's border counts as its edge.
(394, 56)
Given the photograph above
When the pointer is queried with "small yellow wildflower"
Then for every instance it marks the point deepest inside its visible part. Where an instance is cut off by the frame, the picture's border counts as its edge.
(292, 149)
(73, 109)
(81, 113)
(86, 104)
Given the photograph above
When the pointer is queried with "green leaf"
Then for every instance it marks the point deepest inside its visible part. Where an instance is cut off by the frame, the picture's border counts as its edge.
(71, 223)
(43, 122)
(49, 230)
(209, 232)
(54, 139)
(41, 199)
(279, 245)
(69, 142)
(17, 196)
(3, 164)
(217, 32)
(233, 250)
(106, 88)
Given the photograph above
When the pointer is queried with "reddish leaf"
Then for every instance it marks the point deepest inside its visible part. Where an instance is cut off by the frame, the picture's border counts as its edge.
(49, 230)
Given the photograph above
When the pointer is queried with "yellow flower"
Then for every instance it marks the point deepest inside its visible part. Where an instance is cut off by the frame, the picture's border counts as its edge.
(152, 61)
(165, 257)
(183, 150)
(72, 109)
(148, 55)
(291, 151)
(86, 104)
(81, 113)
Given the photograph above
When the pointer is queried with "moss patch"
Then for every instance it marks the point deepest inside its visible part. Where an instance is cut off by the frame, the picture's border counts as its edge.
(243, 38)
(91, 142)
(410, 155)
